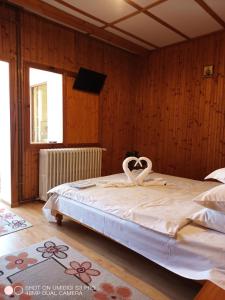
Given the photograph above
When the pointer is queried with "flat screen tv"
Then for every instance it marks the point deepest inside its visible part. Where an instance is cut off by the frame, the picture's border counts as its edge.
(89, 81)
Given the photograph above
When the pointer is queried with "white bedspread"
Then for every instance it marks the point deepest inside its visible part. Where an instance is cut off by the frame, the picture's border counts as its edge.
(197, 253)
(163, 209)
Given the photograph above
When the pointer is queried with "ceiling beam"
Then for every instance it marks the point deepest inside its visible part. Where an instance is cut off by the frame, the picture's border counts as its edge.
(211, 12)
(168, 26)
(56, 14)
(134, 36)
(74, 8)
(145, 11)
(137, 12)
(154, 4)
(122, 19)
(109, 24)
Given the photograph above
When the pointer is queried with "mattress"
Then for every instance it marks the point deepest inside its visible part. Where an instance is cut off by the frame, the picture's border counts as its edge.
(196, 252)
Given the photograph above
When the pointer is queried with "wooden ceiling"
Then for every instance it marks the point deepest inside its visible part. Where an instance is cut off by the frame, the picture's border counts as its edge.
(135, 25)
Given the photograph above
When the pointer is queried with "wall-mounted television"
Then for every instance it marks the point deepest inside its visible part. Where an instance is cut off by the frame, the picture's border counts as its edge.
(89, 81)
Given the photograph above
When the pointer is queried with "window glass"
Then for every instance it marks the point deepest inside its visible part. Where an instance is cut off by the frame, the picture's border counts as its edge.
(46, 105)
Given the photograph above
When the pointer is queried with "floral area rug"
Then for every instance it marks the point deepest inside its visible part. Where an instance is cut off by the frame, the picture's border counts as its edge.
(54, 270)
(10, 222)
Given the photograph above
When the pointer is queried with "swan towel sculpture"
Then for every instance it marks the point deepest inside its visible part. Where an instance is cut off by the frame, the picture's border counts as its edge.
(132, 180)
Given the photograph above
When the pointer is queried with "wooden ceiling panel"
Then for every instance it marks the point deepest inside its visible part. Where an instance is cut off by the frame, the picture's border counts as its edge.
(144, 3)
(130, 38)
(149, 30)
(187, 16)
(107, 11)
(218, 6)
(73, 12)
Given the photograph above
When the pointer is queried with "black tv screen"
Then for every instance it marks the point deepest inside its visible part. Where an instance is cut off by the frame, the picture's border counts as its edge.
(89, 81)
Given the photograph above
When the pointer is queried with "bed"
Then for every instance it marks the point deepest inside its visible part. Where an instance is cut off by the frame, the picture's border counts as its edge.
(134, 217)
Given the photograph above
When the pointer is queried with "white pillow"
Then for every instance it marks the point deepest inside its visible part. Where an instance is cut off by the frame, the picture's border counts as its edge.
(210, 219)
(213, 198)
(218, 175)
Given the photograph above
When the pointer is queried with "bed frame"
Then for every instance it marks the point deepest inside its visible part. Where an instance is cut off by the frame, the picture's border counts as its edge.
(209, 290)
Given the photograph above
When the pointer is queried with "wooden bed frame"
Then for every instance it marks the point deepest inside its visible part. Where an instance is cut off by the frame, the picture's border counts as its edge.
(209, 290)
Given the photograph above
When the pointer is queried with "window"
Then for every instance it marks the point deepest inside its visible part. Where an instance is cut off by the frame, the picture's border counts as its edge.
(46, 106)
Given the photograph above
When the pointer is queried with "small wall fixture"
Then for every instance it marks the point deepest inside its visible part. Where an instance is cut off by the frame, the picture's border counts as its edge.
(208, 71)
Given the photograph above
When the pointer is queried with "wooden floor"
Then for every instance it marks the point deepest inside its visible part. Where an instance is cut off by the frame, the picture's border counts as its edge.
(146, 276)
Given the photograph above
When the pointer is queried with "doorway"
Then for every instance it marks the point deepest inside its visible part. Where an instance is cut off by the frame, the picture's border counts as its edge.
(5, 136)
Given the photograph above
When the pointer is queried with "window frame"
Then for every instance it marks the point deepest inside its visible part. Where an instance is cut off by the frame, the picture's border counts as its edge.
(32, 121)
(26, 114)
(14, 127)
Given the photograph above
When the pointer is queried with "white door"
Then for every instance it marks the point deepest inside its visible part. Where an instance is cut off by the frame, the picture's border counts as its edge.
(5, 147)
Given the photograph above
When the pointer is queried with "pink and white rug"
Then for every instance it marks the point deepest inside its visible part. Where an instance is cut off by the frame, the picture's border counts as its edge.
(10, 222)
(53, 270)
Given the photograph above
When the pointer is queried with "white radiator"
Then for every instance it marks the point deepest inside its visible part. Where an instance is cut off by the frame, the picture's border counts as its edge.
(57, 166)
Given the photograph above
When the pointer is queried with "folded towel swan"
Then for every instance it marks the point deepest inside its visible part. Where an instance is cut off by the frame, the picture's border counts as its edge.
(130, 177)
(141, 177)
(132, 180)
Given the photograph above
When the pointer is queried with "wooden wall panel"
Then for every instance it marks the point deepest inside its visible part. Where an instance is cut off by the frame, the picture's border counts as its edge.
(81, 116)
(180, 119)
(47, 43)
(117, 97)
(51, 45)
(7, 32)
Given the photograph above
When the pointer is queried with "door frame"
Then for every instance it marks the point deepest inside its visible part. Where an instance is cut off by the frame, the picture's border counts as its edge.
(14, 142)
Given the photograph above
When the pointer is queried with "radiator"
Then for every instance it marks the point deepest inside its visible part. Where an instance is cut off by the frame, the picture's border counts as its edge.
(57, 166)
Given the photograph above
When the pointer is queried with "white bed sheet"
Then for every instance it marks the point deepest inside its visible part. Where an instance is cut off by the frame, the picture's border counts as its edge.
(160, 208)
(197, 253)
